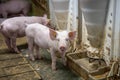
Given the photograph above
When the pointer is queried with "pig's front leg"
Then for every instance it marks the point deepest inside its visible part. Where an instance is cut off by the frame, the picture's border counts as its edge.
(13, 44)
(53, 56)
(31, 48)
(64, 59)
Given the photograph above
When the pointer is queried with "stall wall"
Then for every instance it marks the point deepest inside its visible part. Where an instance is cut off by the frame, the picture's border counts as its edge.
(94, 12)
(115, 53)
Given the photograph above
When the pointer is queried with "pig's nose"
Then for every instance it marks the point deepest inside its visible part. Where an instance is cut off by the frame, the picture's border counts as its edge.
(62, 48)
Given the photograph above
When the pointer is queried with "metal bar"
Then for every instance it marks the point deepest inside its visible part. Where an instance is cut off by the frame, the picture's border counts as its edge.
(79, 23)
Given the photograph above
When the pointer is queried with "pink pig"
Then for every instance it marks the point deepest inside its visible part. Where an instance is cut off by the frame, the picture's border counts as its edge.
(41, 36)
(14, 7)
(13, 28)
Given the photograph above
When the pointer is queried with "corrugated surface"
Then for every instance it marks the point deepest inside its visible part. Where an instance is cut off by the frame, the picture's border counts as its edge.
(112, 36)
(63, 14)
(116, 31)
(94, 12)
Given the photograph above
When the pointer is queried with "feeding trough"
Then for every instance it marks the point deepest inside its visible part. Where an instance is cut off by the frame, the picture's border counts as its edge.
(80, 64)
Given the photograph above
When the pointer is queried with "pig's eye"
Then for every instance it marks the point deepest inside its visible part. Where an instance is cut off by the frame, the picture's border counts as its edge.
(67, 39)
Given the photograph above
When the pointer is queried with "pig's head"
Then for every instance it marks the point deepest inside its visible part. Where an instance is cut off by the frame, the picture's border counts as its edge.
(45, 21)
(62, 38)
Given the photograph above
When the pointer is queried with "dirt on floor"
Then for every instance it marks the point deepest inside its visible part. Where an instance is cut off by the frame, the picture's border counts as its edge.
(43, 67)
(18, 67)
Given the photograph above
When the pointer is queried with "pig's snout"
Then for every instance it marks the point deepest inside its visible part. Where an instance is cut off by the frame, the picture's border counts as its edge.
(62, 48)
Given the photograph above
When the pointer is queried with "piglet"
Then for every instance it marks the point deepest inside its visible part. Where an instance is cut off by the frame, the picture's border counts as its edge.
(40, 36)
(13, 28)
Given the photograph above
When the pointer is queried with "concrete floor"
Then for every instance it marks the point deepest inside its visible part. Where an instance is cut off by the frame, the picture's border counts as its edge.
(43, 67)
(14, 66)
(17, 67)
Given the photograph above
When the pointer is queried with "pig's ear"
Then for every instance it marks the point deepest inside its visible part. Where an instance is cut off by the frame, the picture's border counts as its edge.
(45, 16)
(48, 21)
(53, 34)
(72, 35)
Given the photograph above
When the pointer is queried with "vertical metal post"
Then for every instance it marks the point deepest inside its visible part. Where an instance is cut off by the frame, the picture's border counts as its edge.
(116, 32)
(79, 24)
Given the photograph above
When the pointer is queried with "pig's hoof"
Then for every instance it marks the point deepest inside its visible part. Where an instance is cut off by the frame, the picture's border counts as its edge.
(65, 64)
(32, 59)
(11, 51)
(54, 68)
(18, 52)
(38, 58)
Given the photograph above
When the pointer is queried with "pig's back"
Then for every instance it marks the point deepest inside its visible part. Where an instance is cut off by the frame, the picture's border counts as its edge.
(22, 19)
(37, 29)
(16, 5)
(39, 33)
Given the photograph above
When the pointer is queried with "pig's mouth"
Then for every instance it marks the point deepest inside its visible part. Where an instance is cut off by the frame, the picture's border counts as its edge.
(62, 49)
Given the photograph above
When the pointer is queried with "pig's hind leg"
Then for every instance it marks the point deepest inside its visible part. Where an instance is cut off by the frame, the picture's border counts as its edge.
(8, 43)
(13, 44)
(37, 56)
